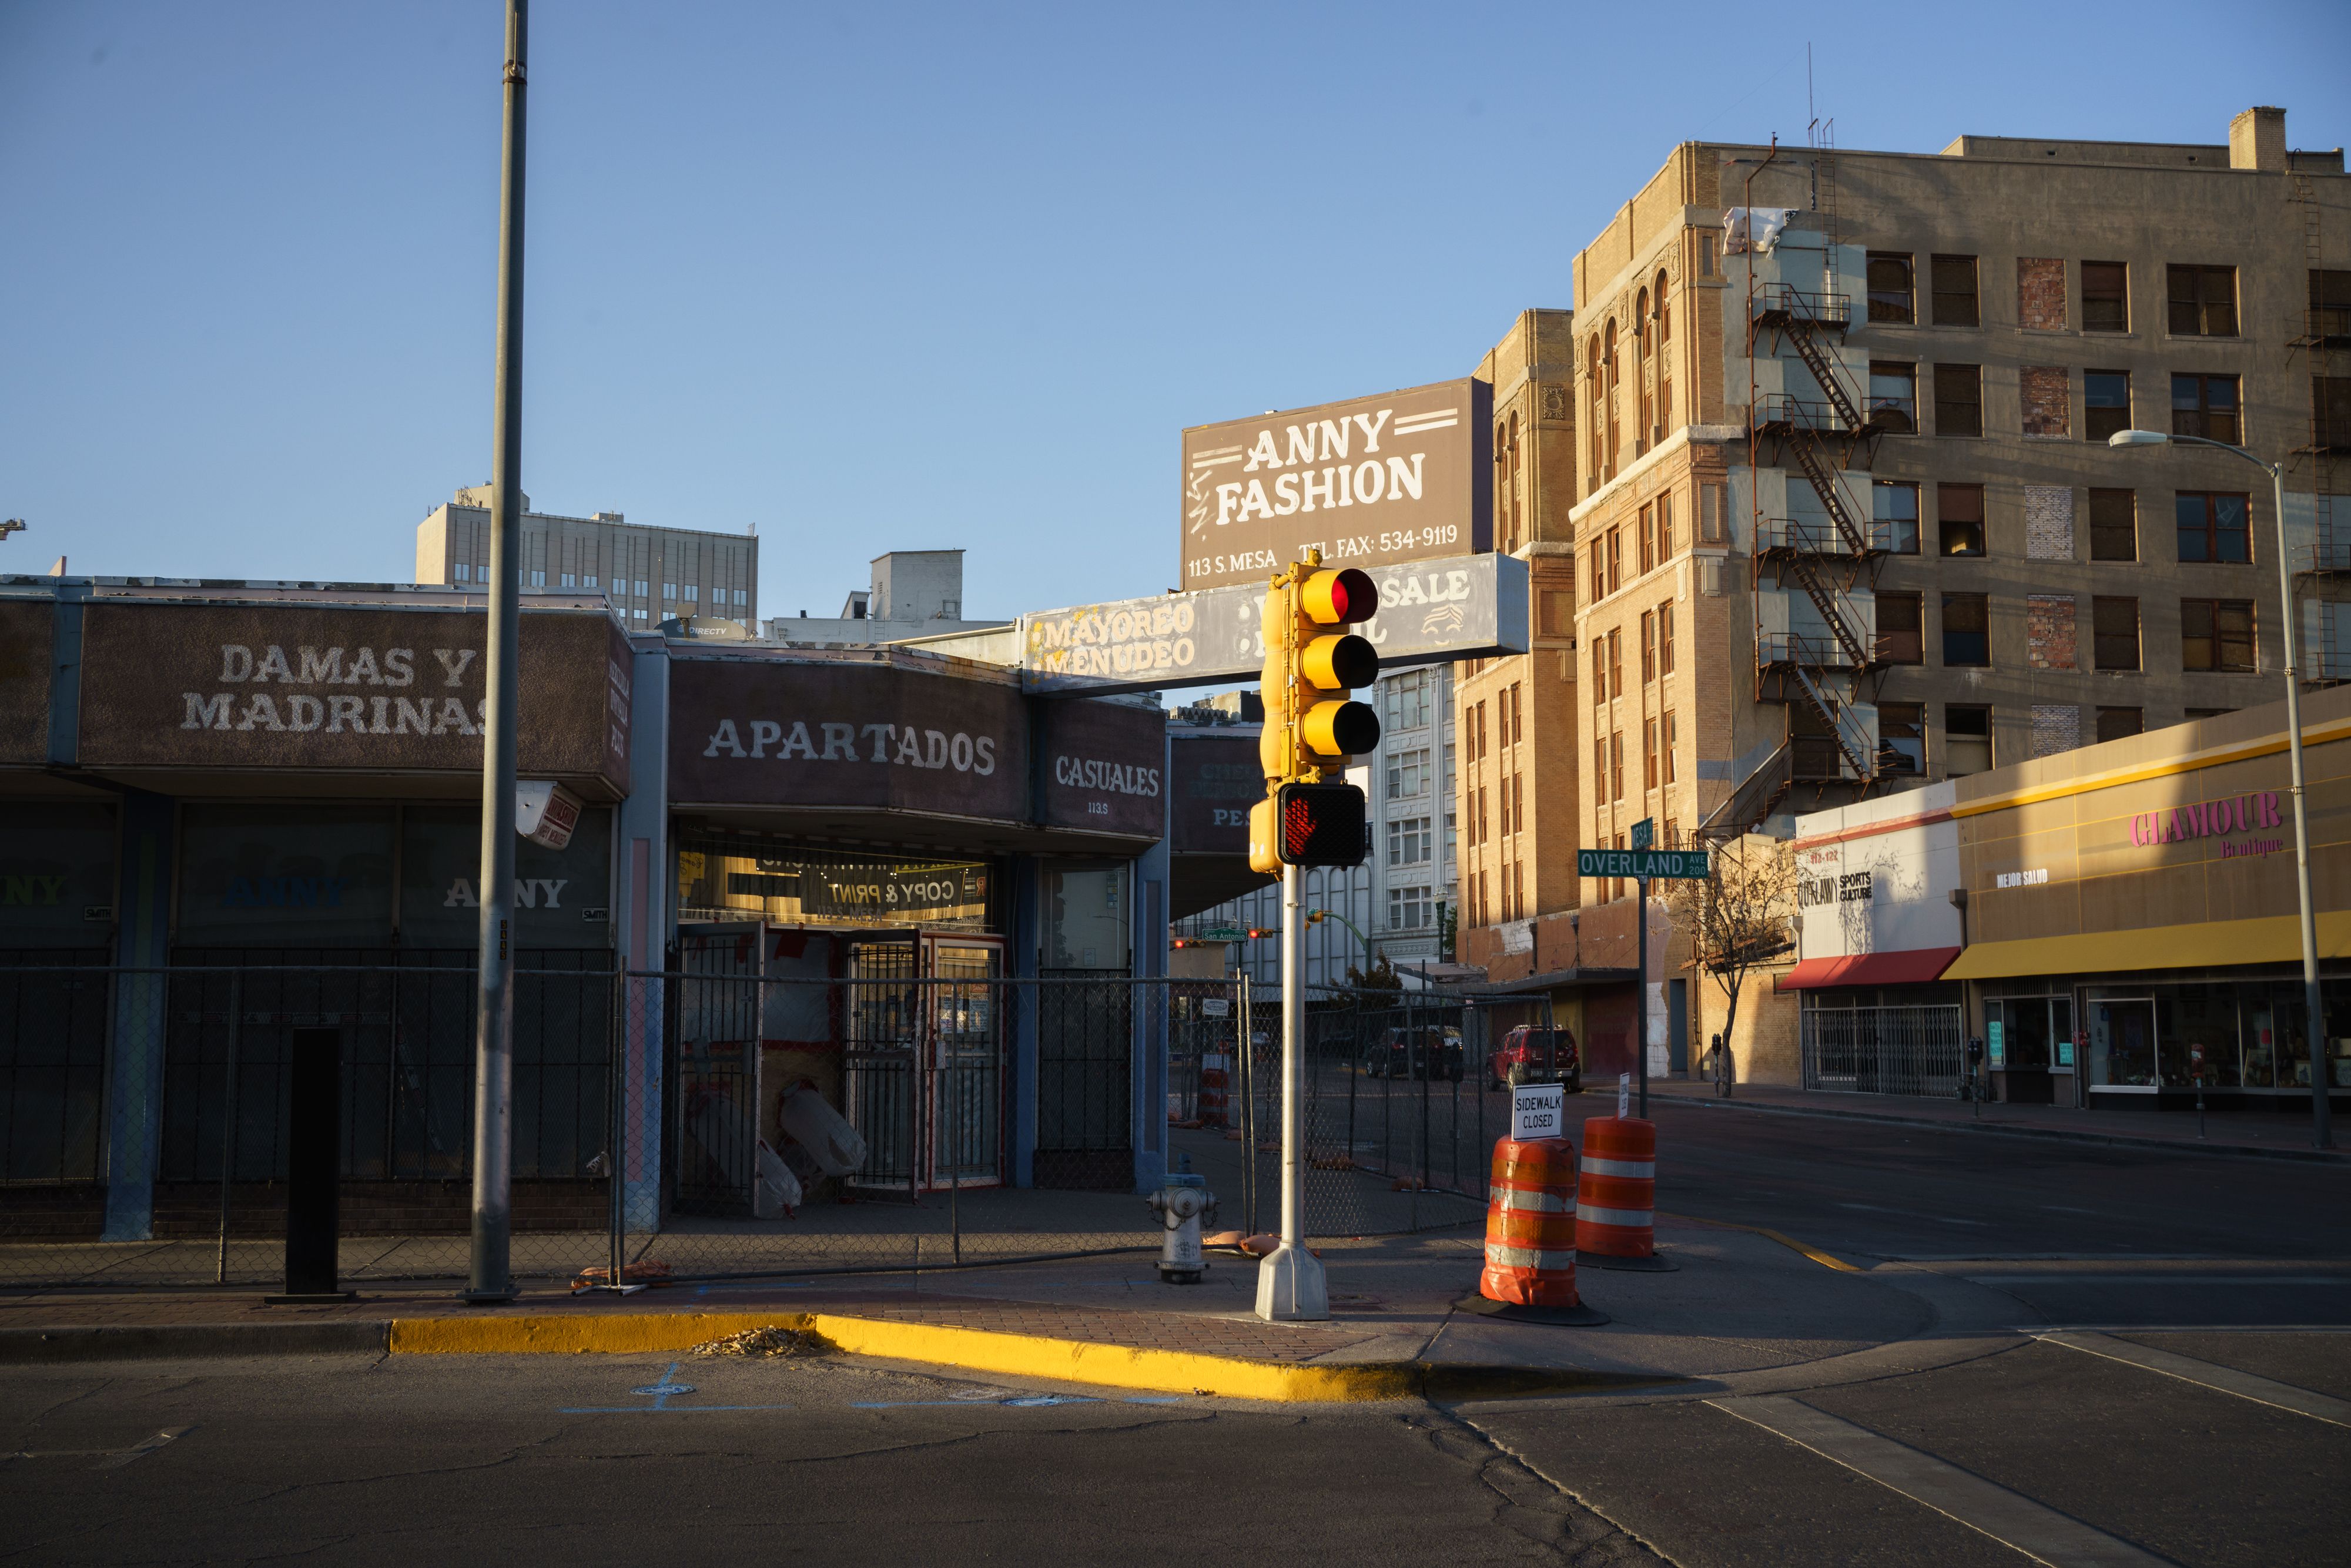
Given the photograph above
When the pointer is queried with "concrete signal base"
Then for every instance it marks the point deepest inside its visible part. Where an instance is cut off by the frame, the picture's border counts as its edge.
(1291, 1286)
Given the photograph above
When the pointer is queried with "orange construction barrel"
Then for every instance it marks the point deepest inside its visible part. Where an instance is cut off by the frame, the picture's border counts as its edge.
(1212, 1103)
(1616, 1200)
(1531, 1225)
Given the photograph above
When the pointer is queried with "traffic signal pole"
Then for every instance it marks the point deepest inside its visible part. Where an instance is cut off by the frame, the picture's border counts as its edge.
(1290, 1284)
(1310, 730)
(1641, 961)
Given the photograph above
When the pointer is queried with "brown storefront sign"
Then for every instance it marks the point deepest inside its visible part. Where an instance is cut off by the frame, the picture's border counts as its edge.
(1217, 777)
(1103, 768)
(27, 627)
(773, 732)
(318, 688)
(1404, 476)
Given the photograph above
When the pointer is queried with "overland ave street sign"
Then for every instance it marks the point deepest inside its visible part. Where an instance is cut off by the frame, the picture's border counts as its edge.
(1431, 612)
(1683, 864)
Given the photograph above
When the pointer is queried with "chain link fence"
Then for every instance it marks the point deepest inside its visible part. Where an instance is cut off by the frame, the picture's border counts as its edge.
(702, 1122)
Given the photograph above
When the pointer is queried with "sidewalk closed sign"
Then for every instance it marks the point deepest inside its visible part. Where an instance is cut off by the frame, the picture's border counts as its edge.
(1538, 1111)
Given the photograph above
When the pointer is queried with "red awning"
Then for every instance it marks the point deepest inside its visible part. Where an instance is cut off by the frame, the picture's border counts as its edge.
(1914, 967)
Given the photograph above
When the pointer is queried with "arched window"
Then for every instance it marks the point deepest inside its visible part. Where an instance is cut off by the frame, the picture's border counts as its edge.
(1614, 441)
(1665, 359)
(1641, 325)
(1593, 420)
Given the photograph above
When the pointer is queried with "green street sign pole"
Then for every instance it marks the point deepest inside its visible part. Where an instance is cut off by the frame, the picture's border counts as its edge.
(1641, 963)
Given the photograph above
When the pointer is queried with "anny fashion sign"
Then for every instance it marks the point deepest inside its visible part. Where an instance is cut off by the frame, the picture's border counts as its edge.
(1404, 476)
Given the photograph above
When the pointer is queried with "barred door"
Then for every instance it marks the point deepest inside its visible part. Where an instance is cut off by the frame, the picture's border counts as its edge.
(881, 1018)
(965, 1062)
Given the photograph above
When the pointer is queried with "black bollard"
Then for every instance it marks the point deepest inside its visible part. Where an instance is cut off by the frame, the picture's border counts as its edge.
(314, 1170)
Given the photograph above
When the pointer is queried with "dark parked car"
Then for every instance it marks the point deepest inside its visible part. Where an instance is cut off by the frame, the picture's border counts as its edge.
(1531, 1055)
(1421, 1051)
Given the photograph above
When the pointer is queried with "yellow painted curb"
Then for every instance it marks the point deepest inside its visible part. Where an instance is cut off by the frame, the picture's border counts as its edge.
(1008, 1355)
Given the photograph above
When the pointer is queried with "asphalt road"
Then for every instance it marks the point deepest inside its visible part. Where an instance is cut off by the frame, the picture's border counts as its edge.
(2134, 1357)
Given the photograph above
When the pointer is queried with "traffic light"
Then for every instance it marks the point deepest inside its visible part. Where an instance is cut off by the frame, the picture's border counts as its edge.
(1311, 726)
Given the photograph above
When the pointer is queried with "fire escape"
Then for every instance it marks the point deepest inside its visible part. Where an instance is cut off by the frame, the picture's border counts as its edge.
(2321, 335)
(1820, 674)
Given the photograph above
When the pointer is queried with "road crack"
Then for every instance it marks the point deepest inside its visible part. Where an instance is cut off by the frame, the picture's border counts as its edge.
(1532, 1504)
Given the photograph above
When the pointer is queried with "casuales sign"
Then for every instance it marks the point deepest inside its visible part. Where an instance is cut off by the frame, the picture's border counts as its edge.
(1404, 476)
(1104, 768)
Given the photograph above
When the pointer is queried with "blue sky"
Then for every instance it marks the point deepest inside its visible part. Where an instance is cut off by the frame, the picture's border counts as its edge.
(881, 277)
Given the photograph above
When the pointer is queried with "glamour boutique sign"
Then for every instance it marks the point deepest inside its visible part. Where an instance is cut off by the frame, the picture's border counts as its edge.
(1371, 481)
(2251, 813)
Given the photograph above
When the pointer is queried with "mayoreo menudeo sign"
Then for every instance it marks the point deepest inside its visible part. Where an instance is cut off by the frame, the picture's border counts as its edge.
(1431, 611)
(1405, 475)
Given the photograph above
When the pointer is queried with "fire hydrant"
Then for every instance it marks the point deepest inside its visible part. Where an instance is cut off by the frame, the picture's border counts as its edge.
(1180, 1206)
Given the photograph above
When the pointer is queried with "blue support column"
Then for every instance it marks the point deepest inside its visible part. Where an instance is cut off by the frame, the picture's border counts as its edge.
(1151, 1018)
(642, 906)
(135, 1048)
(1021, 964)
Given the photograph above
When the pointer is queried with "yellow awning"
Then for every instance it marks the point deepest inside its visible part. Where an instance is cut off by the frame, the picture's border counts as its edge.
(2272, 939)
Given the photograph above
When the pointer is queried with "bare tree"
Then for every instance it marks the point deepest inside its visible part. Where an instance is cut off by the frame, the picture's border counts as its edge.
(1741, 915)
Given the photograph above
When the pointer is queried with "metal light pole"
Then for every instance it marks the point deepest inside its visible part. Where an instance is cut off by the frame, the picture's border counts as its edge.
(1290, 1284)
(2314, 1010)
(492, 1275)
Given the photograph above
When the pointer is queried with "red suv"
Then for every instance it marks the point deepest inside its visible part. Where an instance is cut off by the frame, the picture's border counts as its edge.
(1531, 1055)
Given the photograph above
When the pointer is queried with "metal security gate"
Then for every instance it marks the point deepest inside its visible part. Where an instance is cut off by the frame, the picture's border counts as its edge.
(1884, 1050)
(1085, 1081)
(715, 1092)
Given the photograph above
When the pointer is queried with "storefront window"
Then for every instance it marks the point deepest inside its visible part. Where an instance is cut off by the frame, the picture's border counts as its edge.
(562, 898)
(281, 876)
(57, 875)
(719, 878)
(2190, 1018)
(2122, 1041)
(1085, 919)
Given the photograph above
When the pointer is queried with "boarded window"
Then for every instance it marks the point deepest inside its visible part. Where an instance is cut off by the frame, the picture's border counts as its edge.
(2040, 293)
(2046, 395)
(2049, 522)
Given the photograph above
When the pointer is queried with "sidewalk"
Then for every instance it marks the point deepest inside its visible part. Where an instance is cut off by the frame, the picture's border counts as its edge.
(1739, 1303)
(2276, 1135)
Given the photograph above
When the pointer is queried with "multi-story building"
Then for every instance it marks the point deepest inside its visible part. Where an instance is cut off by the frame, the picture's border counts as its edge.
(1397, 904)
(1849, 518)
(1516, 716)
(649, 575)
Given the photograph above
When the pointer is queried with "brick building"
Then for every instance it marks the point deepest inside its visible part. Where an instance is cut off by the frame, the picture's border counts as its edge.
(1846, 520)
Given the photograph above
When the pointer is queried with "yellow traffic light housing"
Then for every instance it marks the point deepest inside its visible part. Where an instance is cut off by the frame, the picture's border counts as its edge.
(1312, 726)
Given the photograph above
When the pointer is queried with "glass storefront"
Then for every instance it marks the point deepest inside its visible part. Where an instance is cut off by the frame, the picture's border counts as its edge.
(2148, 1036)
(744, 879)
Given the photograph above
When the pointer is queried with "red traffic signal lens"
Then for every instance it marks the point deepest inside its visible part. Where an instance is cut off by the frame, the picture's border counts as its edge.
(1344, 596)
(1318, 824)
